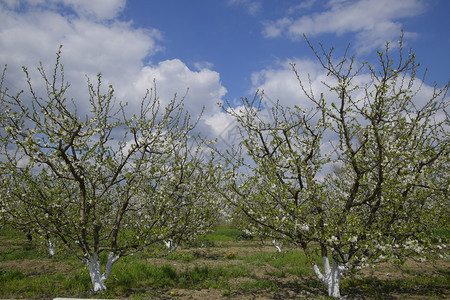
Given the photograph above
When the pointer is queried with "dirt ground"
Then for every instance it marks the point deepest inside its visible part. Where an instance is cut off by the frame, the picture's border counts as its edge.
(288, 286)
(295, 287)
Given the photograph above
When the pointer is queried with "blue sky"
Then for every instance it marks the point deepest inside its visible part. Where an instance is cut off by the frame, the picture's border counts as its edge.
(219, 49)
(232, 35)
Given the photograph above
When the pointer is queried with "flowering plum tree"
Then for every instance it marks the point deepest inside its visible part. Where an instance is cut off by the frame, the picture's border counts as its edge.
(360, 178)
(109, 181)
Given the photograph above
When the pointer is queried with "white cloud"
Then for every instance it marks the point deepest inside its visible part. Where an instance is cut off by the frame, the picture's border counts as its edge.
(200, 90)
(101, 9)
(374, 22)
(115, 48)
(302, 6)
(9, 3)
(89, 47)
(222, 125)
(251, 6)
(275, 29)
(200, 65)
(97, 9)
(174, 77)
(280, 83)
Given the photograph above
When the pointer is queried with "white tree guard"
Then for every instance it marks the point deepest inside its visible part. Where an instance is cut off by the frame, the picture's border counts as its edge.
(277, 245)
(331, 277)
(97, 278)
(171, 246)
(51, 246)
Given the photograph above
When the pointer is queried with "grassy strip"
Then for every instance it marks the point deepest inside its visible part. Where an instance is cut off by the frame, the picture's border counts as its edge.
(129, 274)
(234, 275)
(293, 262)
(435, 287)
(15, 284)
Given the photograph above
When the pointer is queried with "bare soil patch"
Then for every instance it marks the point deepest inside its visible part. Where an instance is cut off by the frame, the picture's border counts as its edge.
(33, 267)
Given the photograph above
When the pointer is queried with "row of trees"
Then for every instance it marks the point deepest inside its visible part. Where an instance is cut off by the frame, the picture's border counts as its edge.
(360, 178)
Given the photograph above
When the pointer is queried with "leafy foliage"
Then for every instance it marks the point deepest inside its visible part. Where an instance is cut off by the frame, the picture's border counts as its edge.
(111, 180)
(363, 174)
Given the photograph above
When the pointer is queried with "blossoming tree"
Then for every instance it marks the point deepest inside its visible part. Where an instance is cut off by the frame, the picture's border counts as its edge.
(360, 178)
(109, 181)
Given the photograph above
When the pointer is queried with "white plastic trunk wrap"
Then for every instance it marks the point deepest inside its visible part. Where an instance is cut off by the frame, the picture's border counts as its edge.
(51, 246)
(97, 278)
(277, 245)
(171, 246)
(331, 277)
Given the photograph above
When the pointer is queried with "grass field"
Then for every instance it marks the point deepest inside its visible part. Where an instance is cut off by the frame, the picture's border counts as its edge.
(220, 266)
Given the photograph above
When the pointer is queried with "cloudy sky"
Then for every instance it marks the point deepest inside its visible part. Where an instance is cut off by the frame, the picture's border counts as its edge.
(219, 49)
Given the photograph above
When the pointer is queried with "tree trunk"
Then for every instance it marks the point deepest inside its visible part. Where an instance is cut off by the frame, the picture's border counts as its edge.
(171, 246)
(277, 245)
(332, 276)
(51, 246)
(97, 278)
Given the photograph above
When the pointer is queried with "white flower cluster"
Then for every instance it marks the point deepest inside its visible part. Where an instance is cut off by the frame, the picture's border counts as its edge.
(353, 239)
(304, 227)
(333, 240)
(380, 247)
(413, 245)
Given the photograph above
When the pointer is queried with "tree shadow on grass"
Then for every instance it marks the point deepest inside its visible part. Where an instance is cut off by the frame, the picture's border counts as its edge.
(307, 288)
(405, 288)
(355, 289)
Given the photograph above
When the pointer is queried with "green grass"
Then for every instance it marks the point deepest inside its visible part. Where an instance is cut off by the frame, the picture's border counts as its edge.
(225, 234)
(182, 256)
(153, 275)
(15, 254)
(418, 286)
(443, 234)
(292, 262)
(132, 273)
(12, 234)
(11, 276)
(14, 284)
